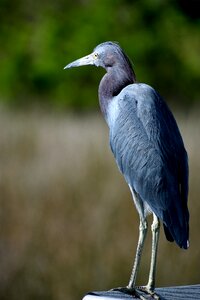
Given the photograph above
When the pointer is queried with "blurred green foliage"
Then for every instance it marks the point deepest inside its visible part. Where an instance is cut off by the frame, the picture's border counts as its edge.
(38, 38)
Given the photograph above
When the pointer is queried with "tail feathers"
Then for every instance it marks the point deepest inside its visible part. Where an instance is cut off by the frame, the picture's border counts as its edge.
(175, 230)
(168, 234)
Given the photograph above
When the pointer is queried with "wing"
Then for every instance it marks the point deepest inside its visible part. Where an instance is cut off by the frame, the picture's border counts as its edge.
(149, 151)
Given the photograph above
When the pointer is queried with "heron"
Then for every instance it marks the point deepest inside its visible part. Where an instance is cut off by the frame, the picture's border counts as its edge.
(149, 151)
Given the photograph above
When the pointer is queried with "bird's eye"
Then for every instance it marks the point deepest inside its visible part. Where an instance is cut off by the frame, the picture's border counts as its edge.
(96, 55)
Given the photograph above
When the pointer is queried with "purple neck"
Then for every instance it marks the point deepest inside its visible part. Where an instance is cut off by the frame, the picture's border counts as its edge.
(112, 84)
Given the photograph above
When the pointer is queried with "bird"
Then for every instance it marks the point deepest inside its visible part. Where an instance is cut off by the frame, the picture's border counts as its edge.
(149, 151)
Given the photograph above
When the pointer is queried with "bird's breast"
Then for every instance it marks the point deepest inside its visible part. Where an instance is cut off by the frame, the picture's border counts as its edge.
(113, 111)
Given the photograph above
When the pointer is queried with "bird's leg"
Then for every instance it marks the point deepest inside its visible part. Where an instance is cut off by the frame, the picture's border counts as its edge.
(149, 288)
(155, 228)
(142, 235)
(130, 288)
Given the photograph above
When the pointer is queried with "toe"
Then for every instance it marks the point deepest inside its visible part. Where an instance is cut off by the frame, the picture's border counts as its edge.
(148, 293)
(125, 290)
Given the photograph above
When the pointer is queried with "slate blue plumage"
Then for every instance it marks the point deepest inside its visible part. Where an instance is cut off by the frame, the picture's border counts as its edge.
(149, 151)
(148, 148)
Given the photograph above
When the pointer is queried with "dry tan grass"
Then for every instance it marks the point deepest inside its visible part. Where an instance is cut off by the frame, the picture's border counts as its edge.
(68, 224)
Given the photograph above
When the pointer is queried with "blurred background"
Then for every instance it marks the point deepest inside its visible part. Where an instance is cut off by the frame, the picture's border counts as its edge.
(67, 222)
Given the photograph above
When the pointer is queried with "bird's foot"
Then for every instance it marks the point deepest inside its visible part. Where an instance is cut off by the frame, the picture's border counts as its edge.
(140, 292)
(148, 293)
(125, 290)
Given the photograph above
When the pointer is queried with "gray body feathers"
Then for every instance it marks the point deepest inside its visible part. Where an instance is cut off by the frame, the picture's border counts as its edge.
(149, 151)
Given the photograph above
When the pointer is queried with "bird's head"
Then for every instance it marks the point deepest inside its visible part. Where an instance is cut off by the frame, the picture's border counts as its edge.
(105, 55)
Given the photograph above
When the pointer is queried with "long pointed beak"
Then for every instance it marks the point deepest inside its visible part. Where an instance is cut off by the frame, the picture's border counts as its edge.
(86, 60)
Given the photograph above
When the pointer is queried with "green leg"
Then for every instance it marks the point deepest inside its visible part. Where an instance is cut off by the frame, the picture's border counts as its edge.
(142, 236)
